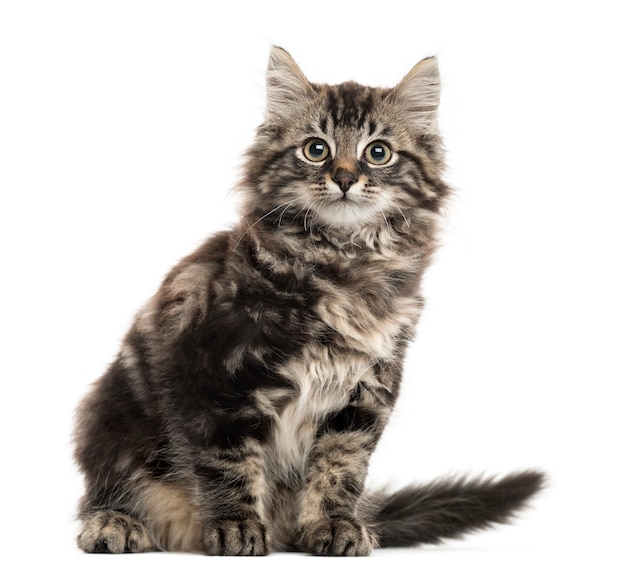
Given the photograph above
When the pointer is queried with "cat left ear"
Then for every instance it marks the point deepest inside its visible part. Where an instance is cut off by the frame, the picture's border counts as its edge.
(418, 95)
(286, 85)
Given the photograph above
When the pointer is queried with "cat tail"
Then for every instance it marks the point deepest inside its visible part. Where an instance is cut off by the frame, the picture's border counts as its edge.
(449, 508)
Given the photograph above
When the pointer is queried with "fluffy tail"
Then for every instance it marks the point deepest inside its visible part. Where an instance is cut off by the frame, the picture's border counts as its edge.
(449, 509)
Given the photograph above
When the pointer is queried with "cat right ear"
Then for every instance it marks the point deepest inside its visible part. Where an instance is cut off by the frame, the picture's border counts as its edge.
(287, 87)
(417, 95)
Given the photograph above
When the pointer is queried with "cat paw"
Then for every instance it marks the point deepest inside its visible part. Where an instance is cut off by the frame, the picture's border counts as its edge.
(235, 538)
(343, 537)
(113, 532)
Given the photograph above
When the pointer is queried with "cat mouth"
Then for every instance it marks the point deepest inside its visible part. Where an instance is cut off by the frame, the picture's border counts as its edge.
(346, 211)
(347, 198)
(347, 201)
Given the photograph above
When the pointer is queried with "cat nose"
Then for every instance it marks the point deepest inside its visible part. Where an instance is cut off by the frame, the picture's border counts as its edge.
(344, 179)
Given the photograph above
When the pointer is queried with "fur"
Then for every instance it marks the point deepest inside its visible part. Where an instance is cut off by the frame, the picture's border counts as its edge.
(248, 395)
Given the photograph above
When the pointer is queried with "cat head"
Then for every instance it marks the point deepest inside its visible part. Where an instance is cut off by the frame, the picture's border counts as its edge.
(345, 156)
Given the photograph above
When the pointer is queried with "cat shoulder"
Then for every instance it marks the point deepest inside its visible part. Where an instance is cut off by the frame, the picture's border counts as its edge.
(186, 294)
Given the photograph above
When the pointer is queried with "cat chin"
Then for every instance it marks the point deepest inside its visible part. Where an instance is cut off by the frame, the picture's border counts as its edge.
(346, 216)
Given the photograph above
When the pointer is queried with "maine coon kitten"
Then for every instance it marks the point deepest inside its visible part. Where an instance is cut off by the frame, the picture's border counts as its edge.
(248, 395)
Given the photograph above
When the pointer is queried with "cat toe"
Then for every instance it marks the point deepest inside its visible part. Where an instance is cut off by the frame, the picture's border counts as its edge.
(235, 538)
(344, 537)
(114, 533)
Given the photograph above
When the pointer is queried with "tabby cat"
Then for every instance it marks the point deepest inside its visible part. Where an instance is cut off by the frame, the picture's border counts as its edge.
(251, 390)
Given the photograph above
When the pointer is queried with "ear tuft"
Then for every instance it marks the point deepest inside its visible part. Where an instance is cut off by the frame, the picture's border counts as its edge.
(286, 85)
(418, 95)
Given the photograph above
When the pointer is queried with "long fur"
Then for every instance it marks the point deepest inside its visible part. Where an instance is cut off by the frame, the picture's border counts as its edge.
(242, 409)
(445, 509)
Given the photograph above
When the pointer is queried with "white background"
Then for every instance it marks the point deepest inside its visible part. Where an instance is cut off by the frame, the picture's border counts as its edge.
(121, 129)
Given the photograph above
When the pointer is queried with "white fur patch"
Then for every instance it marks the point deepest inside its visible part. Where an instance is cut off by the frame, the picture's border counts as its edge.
(354, 210)
(324, 385)
(348, 314)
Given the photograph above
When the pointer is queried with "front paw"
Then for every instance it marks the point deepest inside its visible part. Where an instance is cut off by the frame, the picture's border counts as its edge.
(342, 537)
(235, 538)
(113, 532)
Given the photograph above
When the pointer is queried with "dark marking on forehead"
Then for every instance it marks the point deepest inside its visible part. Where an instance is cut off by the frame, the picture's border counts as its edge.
(350, 104)
(333, 107)
(323, 123)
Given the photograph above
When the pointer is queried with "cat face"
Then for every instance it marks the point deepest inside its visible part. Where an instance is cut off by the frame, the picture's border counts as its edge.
(347, 166)
(346, 156)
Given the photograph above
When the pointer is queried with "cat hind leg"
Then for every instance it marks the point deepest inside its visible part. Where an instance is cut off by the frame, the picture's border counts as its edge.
(107, 531)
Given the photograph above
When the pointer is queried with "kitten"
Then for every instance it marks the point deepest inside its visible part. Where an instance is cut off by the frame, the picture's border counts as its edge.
(247, 397)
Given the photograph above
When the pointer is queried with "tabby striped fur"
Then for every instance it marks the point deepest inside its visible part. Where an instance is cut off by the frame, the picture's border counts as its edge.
(248, 395)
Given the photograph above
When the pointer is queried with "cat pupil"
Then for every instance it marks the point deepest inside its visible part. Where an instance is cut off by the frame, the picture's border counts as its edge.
(378, 152)
(317, 149)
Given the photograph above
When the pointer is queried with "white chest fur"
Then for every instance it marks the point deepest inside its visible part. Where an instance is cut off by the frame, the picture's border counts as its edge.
(324, 384)
(364, 330)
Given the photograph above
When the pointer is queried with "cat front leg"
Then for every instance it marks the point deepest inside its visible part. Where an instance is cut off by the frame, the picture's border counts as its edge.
(337, 467)
(328, 525)
(232, 497)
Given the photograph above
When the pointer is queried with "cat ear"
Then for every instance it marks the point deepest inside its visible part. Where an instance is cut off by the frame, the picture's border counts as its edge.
(287, 87)
(418, 95)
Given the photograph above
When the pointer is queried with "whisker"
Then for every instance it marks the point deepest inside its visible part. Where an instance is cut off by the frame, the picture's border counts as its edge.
(399, 210)
(382, 213)
(306, 203)
(287, 203)
(280, 219)
(306, 215)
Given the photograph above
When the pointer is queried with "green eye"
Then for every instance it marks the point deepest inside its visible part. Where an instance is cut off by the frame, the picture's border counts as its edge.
(316, 150)
(377, 153)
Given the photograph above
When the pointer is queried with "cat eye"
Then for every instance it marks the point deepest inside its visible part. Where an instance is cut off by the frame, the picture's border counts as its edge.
(316, 150)
(377, 153)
